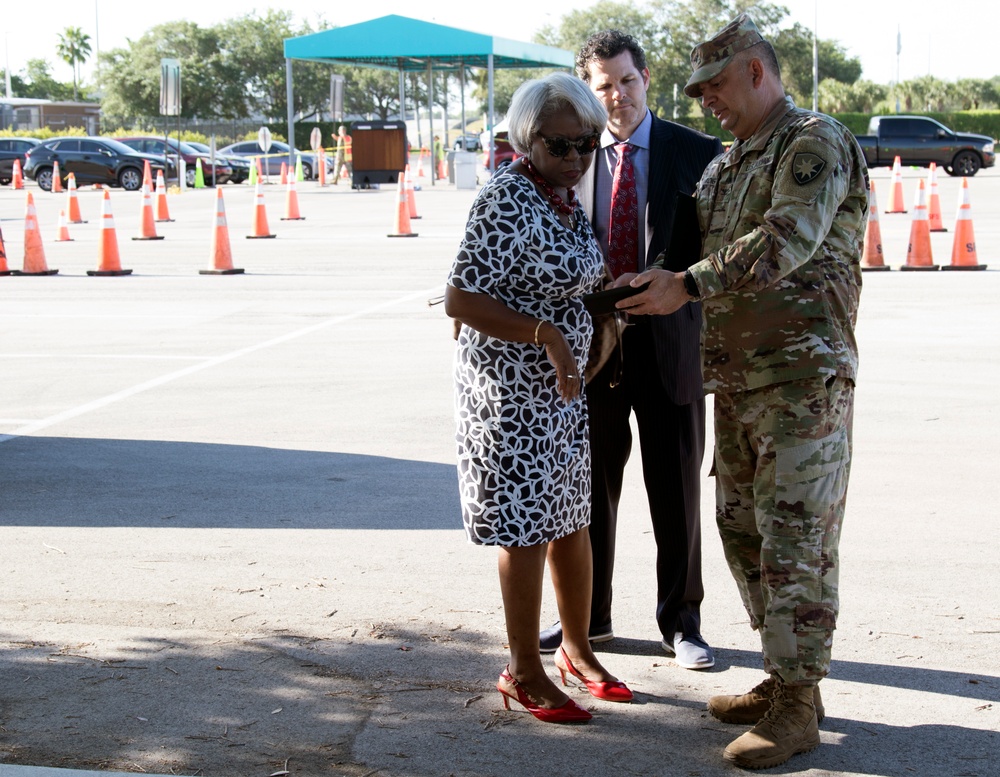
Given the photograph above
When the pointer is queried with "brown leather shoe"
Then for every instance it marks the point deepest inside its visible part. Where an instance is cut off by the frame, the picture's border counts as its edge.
(749, 708)
(789, 727)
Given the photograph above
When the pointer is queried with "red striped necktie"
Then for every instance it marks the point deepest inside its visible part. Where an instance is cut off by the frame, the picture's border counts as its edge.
(623, 226)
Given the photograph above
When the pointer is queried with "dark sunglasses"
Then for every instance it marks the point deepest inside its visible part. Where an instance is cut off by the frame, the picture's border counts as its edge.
(560, 146)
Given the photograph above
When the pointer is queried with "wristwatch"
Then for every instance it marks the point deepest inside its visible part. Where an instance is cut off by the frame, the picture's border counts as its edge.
(690, 286)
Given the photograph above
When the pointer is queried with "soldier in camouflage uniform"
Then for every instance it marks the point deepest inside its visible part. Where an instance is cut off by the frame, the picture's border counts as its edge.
(782, 215)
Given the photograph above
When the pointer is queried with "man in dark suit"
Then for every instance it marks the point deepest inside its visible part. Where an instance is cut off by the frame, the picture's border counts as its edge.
(661, 368)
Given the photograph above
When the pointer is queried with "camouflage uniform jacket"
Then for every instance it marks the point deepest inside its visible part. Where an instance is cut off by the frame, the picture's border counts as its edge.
(782, 215)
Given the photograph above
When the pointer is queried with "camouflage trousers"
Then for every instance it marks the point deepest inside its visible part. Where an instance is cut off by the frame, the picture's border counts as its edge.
(782, 462)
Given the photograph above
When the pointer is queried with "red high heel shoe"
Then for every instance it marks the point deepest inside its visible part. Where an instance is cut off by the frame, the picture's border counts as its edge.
(570, 712)
(609, 690)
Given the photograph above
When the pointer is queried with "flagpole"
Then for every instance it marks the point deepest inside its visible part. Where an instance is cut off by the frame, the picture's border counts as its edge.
(899, 48)
(815, 57)
(7, 68)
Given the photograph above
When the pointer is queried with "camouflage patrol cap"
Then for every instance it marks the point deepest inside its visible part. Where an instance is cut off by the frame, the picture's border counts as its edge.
(710, 58)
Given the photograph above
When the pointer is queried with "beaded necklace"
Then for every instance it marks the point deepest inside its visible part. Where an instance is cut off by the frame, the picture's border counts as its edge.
(555, 199)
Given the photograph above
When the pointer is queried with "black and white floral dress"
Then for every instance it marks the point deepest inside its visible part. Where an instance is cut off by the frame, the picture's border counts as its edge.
(523, 452)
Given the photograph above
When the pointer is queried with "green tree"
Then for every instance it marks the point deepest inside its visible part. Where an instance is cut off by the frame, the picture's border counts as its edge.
(231, 70)
(17, 84)
(974, 93)
(859, 97)
(927, 93)
(74, 48)
(210, 86)
(505, 82)
(370, 91)
(684, 25)
(669, 29)
(576, 26)
(39, 83)
(255, 48)
(794, 47)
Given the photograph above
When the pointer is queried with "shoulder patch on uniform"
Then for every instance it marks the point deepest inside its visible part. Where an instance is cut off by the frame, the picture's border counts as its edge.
(806, 167)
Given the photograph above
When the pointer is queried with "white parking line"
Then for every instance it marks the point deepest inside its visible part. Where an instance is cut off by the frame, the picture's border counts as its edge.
(96, 404)
(104, 356)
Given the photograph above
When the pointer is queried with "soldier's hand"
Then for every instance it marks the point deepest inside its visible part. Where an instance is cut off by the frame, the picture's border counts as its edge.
(666, 294)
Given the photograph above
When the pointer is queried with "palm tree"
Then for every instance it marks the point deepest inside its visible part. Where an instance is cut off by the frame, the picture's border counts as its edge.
(74, 48)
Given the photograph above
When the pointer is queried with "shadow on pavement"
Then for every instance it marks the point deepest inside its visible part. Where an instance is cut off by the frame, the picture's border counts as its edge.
(55, 481)
(411, 699)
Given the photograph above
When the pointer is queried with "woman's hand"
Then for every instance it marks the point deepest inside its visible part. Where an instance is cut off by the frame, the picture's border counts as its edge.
(568, 380)
(491, 317)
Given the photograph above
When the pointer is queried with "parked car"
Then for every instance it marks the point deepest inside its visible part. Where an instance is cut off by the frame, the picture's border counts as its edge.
(240, 165)
(11, 149)
(467, 142)
(168, 149)
(277, 153)
(503, 152)
(919, 140)
(91, 160)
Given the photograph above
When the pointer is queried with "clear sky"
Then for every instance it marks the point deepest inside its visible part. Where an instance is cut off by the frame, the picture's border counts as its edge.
(934, 40)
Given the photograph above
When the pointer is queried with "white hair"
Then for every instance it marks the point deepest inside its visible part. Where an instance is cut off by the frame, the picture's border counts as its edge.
(536, 100)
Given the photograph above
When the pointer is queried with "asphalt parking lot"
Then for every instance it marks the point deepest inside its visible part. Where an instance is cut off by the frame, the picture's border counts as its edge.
(231, 544)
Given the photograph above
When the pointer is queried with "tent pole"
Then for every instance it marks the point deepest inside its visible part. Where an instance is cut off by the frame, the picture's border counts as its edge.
(430, 119)
(461, 87)
(489, 65)
(402, 111)
(291, 109)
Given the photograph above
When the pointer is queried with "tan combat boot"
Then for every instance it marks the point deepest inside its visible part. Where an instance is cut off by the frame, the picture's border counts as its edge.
(749, 708)
(788, 727)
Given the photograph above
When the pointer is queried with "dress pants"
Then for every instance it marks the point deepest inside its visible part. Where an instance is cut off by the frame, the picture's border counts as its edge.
(672, 445)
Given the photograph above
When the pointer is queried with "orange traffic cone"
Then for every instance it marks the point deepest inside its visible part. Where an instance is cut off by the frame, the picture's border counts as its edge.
(963, 250)
(292, 203)
(259, 215)
(420, 164)
(147, 175)
(442, 170)
(872, 257)
(222, 253)
(4, 269)
(57, 187)
(402, 225)
(34, 252)
(62, 235)
(16, 176)
(147, 229)
(284, 174)
(321, 161)
(108, 260)
(934, 201)
(918, 253)
(896, 204)
(411, 197)
(73, 205)
(162, 211)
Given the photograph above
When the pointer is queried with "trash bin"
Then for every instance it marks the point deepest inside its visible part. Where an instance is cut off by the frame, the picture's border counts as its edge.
(465, 170)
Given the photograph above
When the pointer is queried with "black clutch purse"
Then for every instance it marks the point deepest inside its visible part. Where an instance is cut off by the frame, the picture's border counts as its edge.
(601, 303)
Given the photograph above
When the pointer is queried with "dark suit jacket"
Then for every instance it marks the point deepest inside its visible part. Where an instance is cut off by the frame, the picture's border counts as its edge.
(677, 158)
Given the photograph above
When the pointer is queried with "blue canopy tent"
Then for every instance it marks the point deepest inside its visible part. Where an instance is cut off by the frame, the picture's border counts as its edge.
(410, 45)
